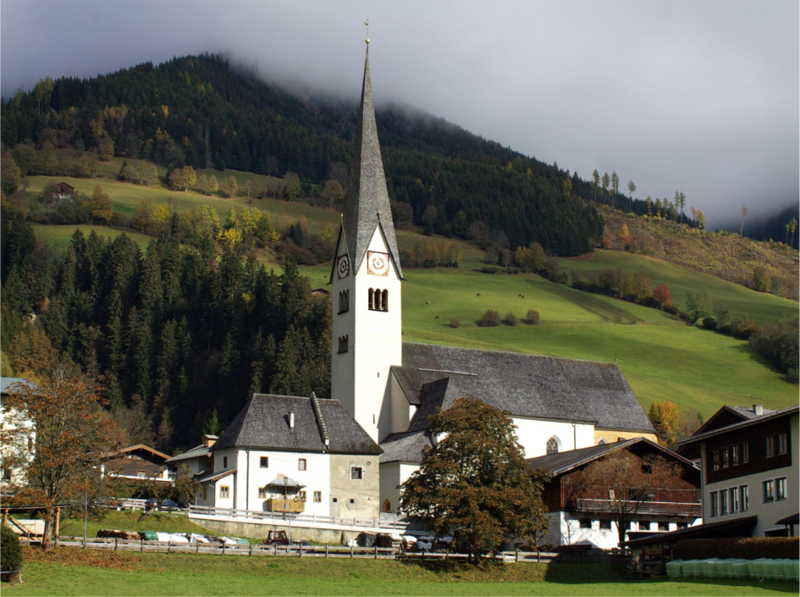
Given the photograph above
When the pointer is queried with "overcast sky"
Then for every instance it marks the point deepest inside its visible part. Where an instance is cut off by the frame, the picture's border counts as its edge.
(692, 95)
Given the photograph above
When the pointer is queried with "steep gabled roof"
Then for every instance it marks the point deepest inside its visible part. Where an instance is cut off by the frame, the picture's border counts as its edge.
(525, 385)
(564, 462)
(366, 205)
(197, 452)
(264, 424)
(405, 447)
(701, 436)
(729, 415)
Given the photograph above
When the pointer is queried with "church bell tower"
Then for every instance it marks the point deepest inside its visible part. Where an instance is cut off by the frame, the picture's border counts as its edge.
(366, 276)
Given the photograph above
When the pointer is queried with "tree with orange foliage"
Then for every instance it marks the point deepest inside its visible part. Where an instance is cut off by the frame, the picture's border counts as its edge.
(73, 434)
(665, 417)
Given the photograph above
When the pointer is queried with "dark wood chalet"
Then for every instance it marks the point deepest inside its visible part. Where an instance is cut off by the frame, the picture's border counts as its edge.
(138, 462)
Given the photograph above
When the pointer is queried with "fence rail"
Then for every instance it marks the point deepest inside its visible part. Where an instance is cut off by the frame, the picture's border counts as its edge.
(286, 517)
(320, 551)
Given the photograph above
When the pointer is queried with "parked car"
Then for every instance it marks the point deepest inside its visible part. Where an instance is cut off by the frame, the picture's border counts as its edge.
(151, 504)
(169, 505)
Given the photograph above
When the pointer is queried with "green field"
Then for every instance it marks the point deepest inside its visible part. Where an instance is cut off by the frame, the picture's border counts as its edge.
(75, 572)
(661, 357)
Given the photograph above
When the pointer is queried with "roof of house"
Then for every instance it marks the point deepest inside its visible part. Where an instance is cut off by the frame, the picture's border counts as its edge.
(7, 383)
(405, 447)
(525, 385)
(728, 415)
(142, 448)
(264, 423)
(776, 414)
(196, 452)
(737, 527)
(211, 476)
(564, 462)
(366, 205)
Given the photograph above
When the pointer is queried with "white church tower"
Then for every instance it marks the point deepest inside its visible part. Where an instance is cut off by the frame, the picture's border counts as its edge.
(366, 329)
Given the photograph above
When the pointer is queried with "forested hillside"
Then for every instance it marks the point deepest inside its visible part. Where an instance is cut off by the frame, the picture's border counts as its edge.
(177, 337)
(201, 112)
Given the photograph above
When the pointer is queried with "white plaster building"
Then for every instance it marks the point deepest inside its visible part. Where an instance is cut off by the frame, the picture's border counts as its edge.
(17, 435)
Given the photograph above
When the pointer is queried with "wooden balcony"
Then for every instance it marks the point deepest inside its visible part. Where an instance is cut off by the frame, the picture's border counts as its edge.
(649, 507)
(282, 505)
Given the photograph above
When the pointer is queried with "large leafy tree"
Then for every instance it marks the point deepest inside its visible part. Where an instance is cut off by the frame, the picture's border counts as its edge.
(475, 484)
(73, 432)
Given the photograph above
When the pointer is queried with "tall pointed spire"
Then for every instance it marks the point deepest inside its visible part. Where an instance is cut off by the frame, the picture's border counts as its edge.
(367, 200)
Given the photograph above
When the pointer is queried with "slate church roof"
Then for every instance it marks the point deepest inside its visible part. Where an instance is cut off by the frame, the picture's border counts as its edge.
(265, 423)
(530, 386)
(367, 198)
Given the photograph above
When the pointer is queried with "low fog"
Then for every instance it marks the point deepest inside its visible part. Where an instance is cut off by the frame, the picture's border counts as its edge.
(700, 97)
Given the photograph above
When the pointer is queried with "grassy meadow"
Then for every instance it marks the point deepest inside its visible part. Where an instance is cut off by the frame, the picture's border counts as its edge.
(661, 357)
(70, 571)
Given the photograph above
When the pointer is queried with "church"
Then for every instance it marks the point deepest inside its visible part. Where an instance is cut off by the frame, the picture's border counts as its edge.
(388, 388)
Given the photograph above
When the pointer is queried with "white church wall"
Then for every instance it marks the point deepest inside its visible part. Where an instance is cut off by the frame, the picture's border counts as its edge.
(343, 324)
(401, 410)
(534, 433)
(393, 474)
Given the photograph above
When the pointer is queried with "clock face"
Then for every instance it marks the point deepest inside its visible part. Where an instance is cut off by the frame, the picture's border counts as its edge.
(378, 264)
(343, 267)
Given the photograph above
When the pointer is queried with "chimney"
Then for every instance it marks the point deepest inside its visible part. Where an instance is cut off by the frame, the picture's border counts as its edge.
(758, 409)
(291, 420)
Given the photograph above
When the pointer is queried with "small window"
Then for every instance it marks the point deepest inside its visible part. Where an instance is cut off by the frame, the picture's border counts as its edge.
(262, 493)
(141, 474)
(769, 446)
(605, 524)
(356, 472)
(301, 496)
(264, 462)
(224, 462)
(682, 525)
(663, 526)
(714, 503)
(726, 462)
(733, 499)
(586, 523)
(552, 446)
(715, 460)
(723, 503)
(317, 497)
(335, 500)
(224, 491)
(780, 488)
(783, 446)
(352, 501)
(344, 301)
(769, 491)
(744, 452)
(301, 464)
(644, 525)
(378, 299)
(734, 455)
(744, 498)
(344, 342)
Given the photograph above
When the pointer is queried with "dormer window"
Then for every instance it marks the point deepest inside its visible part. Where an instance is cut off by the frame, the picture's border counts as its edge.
(378, 299)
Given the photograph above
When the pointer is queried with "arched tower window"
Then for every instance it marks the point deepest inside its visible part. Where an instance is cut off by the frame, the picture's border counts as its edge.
(378, 299)
(552, 446)
(344, 301)
(387, 506)
(343, 343)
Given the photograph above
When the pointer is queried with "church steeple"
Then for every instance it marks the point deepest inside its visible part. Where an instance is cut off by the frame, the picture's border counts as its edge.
(367, 200)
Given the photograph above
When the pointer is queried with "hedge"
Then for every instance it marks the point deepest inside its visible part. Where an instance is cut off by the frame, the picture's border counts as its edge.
(10, 551)
(746, 548)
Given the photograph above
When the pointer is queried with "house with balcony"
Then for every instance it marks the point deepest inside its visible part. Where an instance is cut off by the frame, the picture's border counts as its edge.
(747, 457)
(291, 455)
(581, 512)
(138, 463)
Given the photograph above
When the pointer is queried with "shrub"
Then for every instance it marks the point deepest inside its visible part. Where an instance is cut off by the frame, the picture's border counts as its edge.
(710, 323)
(511, 320)
(685, 316)
(651, 302)
(10, 550)
(489, 270)
(532, 317)
(489, 319)
(455, 322)
(747, 548)
(671, 309)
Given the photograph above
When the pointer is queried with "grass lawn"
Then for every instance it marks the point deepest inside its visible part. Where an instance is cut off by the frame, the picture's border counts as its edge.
(60, 236)
(75, 572)
(759, 306)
